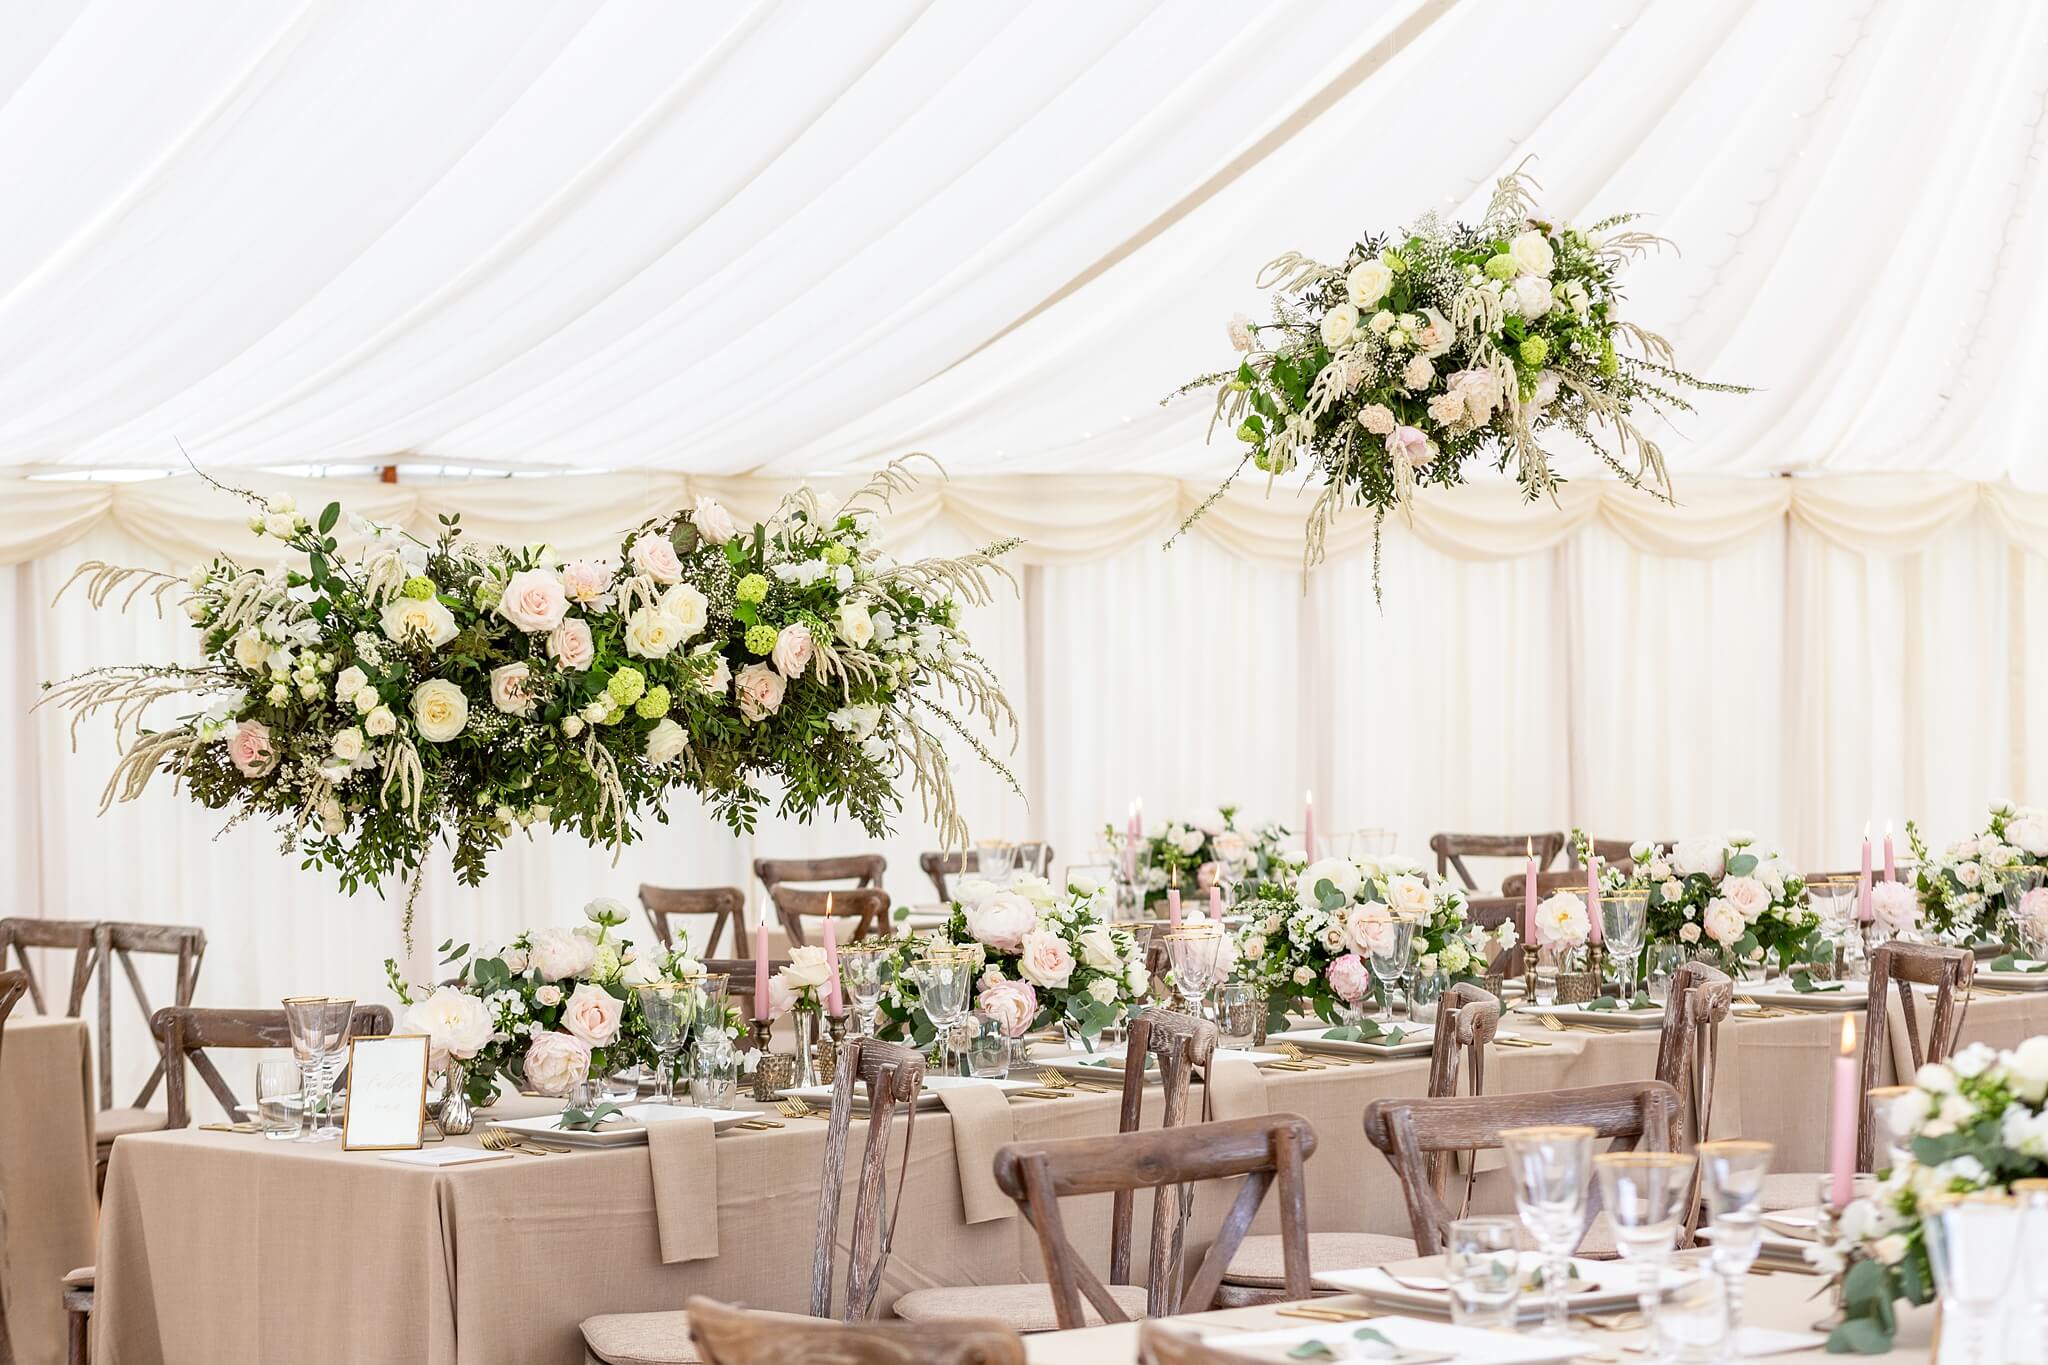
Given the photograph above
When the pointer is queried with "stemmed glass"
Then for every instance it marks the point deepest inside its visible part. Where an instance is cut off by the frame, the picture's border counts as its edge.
(865, 968)
(942, 978)
(1624, 915)
(665, 1005)
(1393, 946)
(1646, 1195)
(1193, 950)
(319, 1027)
(2033, 1196)
(995, 860)
(1972, 1243)
(1732, 1173)
(1551, 1167)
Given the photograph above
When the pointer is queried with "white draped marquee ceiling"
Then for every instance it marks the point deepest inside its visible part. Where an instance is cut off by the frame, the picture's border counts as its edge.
(782, 238)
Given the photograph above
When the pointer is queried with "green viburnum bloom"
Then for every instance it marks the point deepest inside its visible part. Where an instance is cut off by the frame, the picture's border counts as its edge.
(752, 588)
(614, 713)
(419, 589)
(1501, 267)
(836, 554)
(760, 639)
(1247, 433)
(1534, 351)
(1608, 364)
(626, 686)
(654, 705)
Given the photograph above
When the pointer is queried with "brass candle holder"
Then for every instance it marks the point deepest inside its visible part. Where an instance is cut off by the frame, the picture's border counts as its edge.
(773, 1071)
(825, 1055)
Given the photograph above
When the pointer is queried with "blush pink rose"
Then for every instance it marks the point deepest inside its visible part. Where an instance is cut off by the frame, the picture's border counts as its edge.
(1206, 874)
(1409, 444)
(1046, 961)
(250, 749)
(2033, 908)
(1001, 921)
(1013, 1003)
(781, 996)
(508, 689)
(1349, 979)
(758, 689)
(588, 582)
(1746, 894)
(554, 1062)
(593, 1014)
(571, 646)
(1369, 928)
(534, 601)
(793, 649)
(655, 557)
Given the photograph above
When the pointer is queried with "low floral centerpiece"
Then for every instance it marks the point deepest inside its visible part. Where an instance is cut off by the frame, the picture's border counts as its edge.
(1190, 856)
(1726, 894)
(1982, 887)
(1046, 958)
(1977, 1122)
(1308, 941)
(553, 1007)
(1425, 349)
(444, 688)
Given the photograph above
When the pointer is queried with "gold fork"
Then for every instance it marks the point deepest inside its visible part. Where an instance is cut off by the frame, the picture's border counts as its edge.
(1060, 1080)
(1551, 1022)
(797, 1109)
(495, 1141)
(1293, 1053)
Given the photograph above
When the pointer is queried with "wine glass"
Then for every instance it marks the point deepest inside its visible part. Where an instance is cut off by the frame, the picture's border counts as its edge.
(995, 860)
(1393, 946)
(943, 977)
(1972, 1244)
(1623, 917)
(865, 967)
(319, 1026)
(2033, 1196)
(1551, 1167)
(1732, 1171)
(1646, 1195)
(1193, 950)
(665, 1005)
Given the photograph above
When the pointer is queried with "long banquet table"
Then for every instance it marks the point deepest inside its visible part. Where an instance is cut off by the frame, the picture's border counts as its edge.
(46, 1161)
(331, 1255)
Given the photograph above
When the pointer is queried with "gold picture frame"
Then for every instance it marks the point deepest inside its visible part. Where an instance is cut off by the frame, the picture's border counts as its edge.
(387, 1100)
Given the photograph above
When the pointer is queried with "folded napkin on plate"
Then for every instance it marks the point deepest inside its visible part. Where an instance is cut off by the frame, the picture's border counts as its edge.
(1236, 1089)
(684, 1160)
(981, 1123)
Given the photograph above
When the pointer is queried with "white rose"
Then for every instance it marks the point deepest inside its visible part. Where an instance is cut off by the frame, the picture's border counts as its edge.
(282, 505)
(807, 967)
(1890, 1248)
(2026, 1067)
(1532, 296)
(457, 1024)
(1699, 857)
(333, 819)
(348, 744)
(1098, 949)
(1368, 283)
(559, 954)
(666, 742)
(280, 524)
(1689, 933)
(1189, 841)
(1724, 921)
(688, 607)
(380, 721)
(348, 682)
(1935, 1078)
(856, 626)
(652, 633)
(712, 521)
(439, 710)
(793, 649)
(252, 652)
(1968, 874)
(549, 996)
(1408, 896)
(655, 557)
(1531, 253)
(514, 960)
(1910, 1110)
(1001, 920)
(758, 689)
(593, 1014)
(1672, 891)
(535, 601)
(508, 689)
(1341, 873)
(555, 1062)
(416, 619)
(366, 700)
(1339, 324)
(641, 971)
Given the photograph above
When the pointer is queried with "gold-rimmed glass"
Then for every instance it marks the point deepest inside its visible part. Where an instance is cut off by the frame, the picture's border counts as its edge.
(1624, 918)
(666, 1009)
(1194, 951)
(1973, 1243)
(1551, 1167)
(865, 968)
(943, 977)
(1732, 1173)
(319, 1026)
(1646, 1194)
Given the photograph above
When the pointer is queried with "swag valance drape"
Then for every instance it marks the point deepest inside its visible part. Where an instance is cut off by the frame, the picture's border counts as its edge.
(1063, 519)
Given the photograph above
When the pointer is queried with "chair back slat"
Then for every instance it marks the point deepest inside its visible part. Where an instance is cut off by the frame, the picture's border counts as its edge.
(22, 933)
(733, 1336)
(867, 907)
(740, 986)
(862, 869)
(1467, 1019)
(893, 1076)
(1950, 971)
(1688, 1043)
(1033, 856)
(1564, 879)
(1265, 1150)
(118, 942)
(1452, 849)
(1176, 1043)
(184, 1033)
(1407, 1131)
(726, 905)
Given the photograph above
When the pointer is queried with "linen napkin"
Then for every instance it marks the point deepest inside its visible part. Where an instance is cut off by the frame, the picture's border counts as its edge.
(1236, 1089)
(981, 1123)
(683, 1159)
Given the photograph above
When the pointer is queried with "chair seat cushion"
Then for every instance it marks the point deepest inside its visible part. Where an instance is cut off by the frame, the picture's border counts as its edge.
(112, 1123)
(1259, 1263)
(1020, 1307)
(649, 1338)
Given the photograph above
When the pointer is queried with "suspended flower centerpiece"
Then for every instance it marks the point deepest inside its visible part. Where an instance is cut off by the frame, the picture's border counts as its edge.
(1428, 348)
(443, 688)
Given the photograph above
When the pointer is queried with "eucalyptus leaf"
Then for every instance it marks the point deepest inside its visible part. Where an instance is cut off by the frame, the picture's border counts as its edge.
(1311, 1350)
(1601, 1002)
(329, 515)
(1742, 864)
(1804, 983)
(1860, 1336)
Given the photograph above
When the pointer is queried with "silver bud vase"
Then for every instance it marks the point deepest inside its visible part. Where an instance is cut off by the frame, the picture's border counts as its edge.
(456, 1117)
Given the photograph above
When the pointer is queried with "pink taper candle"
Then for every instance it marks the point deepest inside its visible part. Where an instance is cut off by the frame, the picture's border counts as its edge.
(1865, 911)
(1529, 894)
(1173, 907)
(1308, 825)
(1216, 903)
(1842, 1132)
(832, 1002)
(1891, 867)
(761, 966)
(1593, 931)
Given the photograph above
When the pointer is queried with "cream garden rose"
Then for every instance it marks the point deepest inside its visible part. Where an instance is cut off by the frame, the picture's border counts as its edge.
(1045, 961)
(555, 1062)
(667, 742)
(856, 625)
(759, 690)
(1532, 253)
(652, 633)
(712, 521)
(571, 646)
(593, 1014)
(807, 967)
(655, 557)
(689, 608)
(1014, 1004)
(793, 649)
(249, 749)
(534, 601)
(439, 710)
(416, 620)
(508, 689)
(1368, 283)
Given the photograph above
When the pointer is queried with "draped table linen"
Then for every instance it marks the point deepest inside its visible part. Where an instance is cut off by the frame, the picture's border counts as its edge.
(46, 1170)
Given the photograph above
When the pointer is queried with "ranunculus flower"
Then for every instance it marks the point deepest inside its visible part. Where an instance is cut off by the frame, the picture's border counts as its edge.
(1001, 920)
(412, 619)
(456, 1023)
(593, 1014)
(570, 645)
(712, 521)
(1532, 254)
(1045, 961)
(688, 607)
(759, 690)
(559, 954)
(587, 582)
(667, 742)
(439, 710)
(1013, 1003)
(249, 749)
(793, 648)
(508, 689)
(555, 1062)
(534, 601)
(655, 557)
(1368, 283)
(808, 967)
(1349, 978)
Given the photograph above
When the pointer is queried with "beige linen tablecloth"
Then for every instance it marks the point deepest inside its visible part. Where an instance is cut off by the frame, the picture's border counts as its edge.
(499, 1262)
(46, 1161)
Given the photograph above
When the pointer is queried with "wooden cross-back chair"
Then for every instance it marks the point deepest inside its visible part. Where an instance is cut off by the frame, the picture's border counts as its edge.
(893, 1077)
(733, 1336)
(185, 1032)
(1689, 1043)
(867, 907)
(726, 905)
(1408, 1131)
(1453, 849)
(62, 935)
(862, 869)
(1490, 912)
(1268, 1150)
(1034, 856)
(1950, 972)
(119, 942)
(13, 985)
(1176, 1044)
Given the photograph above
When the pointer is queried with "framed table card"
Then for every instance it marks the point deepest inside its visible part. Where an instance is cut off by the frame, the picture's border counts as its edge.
(387, 1093)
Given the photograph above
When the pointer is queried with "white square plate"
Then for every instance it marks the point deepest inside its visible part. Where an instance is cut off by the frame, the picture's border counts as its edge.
(1620, 1018)
(628, 1130)
(1417, 1339)
(1782, 994)
(1600, 1286)
(1108, 1063)
(1414, 1043)
(820, 1096)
